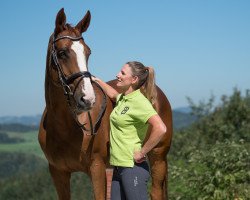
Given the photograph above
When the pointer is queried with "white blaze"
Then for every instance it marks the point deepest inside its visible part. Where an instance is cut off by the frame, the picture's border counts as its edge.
(78, 48)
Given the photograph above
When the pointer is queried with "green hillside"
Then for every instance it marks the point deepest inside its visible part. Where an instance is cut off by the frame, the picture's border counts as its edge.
(29, 143)
(26, 177)
(24, 171)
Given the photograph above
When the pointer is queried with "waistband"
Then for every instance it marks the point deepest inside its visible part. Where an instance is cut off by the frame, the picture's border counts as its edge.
(142, 164)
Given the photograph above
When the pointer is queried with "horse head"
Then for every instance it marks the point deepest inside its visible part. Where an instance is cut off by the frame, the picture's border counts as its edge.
(69, 63)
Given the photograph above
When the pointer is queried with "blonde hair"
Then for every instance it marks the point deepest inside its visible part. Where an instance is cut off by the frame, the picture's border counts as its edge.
(146, 79)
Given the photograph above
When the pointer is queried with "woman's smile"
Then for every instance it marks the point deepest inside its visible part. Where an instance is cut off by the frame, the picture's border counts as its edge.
(124, 77)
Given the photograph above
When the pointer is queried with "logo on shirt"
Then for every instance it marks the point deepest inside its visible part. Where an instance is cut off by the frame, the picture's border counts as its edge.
(126, 108)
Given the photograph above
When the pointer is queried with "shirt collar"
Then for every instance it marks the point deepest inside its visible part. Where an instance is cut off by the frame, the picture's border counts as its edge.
(132, 94)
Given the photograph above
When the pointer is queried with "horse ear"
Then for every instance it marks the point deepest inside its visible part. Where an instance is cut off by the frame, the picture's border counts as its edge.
(60, 21)
(83, 25)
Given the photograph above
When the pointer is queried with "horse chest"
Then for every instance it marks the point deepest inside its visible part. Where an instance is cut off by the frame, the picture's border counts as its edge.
(69, 153)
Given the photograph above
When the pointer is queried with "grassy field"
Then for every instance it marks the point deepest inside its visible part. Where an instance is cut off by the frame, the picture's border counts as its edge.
(30, 146)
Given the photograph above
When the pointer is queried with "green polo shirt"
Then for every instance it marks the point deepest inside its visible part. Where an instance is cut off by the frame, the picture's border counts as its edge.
(128, 127)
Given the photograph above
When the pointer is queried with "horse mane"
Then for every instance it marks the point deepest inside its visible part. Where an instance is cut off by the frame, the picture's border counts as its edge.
(48, 63)
(69, 26)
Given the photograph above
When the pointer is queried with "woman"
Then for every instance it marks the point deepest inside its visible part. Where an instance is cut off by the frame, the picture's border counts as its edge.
(128, 124)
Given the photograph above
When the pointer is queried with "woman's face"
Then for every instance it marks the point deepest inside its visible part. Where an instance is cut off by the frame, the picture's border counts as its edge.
(125, 79)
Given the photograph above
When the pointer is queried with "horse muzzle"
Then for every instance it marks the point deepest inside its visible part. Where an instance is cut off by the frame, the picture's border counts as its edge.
(84, 104)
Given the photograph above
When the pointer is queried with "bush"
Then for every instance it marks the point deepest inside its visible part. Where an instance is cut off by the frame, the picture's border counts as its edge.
(210, 159)
(220, 172)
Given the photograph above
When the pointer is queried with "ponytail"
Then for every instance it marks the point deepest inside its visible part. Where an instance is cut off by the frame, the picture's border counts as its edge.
(149, 88)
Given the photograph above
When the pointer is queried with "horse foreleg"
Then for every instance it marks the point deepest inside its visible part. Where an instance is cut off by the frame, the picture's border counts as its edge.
(61, 181)
(159, 171)
(98, 177)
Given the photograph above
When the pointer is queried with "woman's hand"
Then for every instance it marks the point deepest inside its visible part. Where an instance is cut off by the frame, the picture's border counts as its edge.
(139, 156)
(94, 78)
(110, 91)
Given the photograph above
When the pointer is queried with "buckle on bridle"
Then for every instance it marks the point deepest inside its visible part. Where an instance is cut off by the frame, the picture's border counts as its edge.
(67, 90)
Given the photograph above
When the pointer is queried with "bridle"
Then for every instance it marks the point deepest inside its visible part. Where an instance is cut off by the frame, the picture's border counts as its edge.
(67, 80)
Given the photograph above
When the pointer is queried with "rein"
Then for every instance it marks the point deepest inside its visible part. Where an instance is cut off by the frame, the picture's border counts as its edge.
(93, 129)
(65, 81)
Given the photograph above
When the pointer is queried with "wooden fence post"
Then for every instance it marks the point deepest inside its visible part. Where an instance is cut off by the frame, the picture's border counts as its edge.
(109, 175)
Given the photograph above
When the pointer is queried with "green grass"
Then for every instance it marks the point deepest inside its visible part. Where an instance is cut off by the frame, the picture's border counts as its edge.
(30, 146)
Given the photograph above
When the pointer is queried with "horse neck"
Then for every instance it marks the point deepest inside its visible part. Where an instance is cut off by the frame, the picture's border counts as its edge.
(55, 98)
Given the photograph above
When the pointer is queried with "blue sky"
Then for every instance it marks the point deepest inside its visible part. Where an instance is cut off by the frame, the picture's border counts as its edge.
(197, 47)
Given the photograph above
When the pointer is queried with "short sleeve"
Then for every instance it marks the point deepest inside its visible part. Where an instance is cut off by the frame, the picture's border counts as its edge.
(143, 111)
(118, 97)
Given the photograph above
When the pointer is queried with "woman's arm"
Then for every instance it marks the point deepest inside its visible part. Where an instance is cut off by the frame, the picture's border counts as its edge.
(110, 91)
(157, 132)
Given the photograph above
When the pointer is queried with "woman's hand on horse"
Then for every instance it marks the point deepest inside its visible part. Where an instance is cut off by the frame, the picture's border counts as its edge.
(94, 78)
(139, 156)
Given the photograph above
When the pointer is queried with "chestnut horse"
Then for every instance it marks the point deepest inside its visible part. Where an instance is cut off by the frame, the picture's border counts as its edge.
(74, 129)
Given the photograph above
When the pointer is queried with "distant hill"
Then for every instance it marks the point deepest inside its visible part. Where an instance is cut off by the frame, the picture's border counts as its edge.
(186, 110)
(181, 118)
(17, 127)
(5, 139)
(24, 120)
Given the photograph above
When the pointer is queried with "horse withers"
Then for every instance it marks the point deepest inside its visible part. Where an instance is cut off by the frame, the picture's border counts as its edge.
(74, 129)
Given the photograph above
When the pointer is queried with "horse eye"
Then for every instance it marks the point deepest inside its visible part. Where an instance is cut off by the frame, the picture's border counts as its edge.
(62, 54)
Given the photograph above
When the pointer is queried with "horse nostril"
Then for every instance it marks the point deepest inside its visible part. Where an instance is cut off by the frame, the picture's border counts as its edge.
(82, 101)
(86, 104)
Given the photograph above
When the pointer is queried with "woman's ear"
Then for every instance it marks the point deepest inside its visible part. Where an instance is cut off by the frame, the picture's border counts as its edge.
(135, 80)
